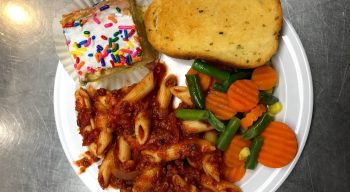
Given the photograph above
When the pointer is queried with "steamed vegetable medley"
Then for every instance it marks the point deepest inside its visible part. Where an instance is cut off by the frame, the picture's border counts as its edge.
(240, 106)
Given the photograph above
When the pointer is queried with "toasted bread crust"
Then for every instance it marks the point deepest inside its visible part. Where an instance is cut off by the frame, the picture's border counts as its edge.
(243, 34)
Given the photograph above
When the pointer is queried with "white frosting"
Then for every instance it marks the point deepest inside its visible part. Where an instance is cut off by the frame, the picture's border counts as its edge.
(76, 34)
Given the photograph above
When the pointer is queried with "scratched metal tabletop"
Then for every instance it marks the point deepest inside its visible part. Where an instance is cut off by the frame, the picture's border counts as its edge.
(31, 156)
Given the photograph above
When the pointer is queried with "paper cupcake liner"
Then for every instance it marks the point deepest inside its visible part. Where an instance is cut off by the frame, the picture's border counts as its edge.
(127, 77)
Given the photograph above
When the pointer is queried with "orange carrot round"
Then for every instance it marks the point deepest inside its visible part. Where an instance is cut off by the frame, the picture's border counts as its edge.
(234, 174)
(265, 77)
(217, 103)
(231, 155)
(205, 80)
(252, 116)
(243, 95)
(280, 145)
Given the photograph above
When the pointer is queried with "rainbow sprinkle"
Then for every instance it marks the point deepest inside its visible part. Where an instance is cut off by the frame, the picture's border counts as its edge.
(107, 25)
(104, 7)
(96, 20)
(113, 19)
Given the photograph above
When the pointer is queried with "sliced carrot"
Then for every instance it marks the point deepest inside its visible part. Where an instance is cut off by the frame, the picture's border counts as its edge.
(243, 95)
(205, 80)
(234, 174)
(231, 154)
(280, 145)
(217, 103)
(265, 77)
(252, 116)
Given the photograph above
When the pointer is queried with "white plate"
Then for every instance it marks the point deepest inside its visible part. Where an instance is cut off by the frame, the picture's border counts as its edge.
(295, 91)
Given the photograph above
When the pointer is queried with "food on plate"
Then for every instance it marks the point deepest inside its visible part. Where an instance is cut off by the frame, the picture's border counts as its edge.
(217, 102)
(234, 174)
(280, 145)
(243, 95)
(239, 33)
(252, 116)
(265, 77)
(144, 146)
(106, 39)
(147, 144)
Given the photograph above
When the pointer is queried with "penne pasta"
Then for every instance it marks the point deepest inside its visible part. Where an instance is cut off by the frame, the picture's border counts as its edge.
(91, 91)
(141, 89)
(104, 140)
(182, 93)
(82, 100)
(209, 183)
(93, 149)
(145, 179)
(194, 162)
(178, 181)
(190, 127)
(124, 150)
(142, 127)
(104, 172)
(105, 137)
(164, 94)
(211, 167)
(101, 122)
(178, 151)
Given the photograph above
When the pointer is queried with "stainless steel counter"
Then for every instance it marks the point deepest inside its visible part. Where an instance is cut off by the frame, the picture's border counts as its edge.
(31, 157)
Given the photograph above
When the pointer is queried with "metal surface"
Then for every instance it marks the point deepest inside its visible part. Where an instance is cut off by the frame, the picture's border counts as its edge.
(31, 157)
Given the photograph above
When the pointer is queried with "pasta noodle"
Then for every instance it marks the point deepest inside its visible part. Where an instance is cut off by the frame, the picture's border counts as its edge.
(142, 127)
(164, 94)
(210, 167)
(177, 180)
(124, 150)
(145, 179)
(189, 126)
(210, 183)
(182, 93)
(178, 151)
(141, 89)
(104, 172)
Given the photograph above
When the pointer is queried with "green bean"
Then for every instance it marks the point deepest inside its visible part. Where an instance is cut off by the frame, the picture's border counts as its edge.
(207, 69)
(225, 137)
(258, 126)
(234, 77)
(220, 87)
(254, 152)
(267, 98)
(192, 114)
(196, 92)
(215, 122)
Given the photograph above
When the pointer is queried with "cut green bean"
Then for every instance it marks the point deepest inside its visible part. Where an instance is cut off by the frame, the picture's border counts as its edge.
(216, 123)
(207, 69)
(220, 87)
(258, 126)
(226, 137)
(192, 114)
(234, 77)
(254, 152)
(267, 98)
(196, 92)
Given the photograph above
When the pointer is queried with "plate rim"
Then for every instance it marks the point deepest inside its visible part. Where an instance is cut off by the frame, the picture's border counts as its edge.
(287, 23)
(309, 85)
